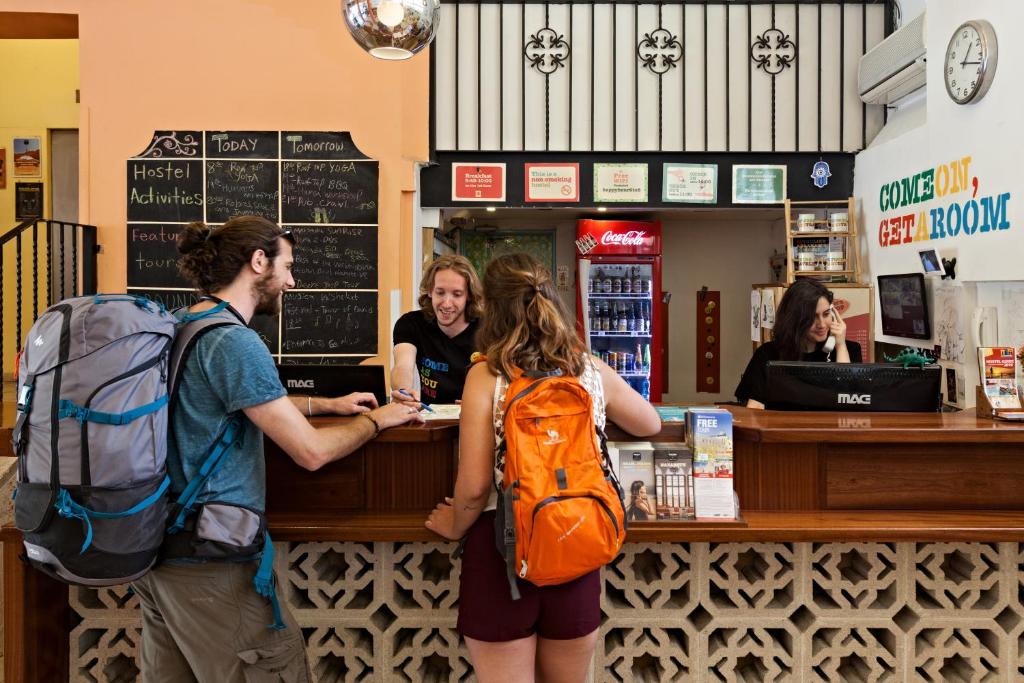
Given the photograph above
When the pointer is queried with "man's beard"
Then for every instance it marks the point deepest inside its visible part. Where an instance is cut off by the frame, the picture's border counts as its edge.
(268, 301)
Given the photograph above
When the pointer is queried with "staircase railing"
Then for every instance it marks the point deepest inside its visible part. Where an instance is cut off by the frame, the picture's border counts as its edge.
(69, 269)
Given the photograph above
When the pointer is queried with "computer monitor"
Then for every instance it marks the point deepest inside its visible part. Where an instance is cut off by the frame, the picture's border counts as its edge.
(931, 262)
(904, 306)
(333, 380)
(886, 387)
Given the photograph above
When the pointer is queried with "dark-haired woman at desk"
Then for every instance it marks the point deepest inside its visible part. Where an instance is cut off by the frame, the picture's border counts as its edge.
(804, 321)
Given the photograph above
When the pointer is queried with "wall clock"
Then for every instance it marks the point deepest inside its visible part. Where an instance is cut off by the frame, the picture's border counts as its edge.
(970, 62)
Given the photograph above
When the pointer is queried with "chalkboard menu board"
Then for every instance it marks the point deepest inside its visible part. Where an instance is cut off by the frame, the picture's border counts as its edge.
(317, 184)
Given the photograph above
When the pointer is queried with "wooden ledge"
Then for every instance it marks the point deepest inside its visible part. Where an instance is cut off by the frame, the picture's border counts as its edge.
(852, 526)
(765, 526)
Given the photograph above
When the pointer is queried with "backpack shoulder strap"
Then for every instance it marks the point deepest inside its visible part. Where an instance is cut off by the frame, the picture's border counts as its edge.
(192, 327)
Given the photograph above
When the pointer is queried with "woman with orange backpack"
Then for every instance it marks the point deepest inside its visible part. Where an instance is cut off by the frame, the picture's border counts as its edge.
(529, 602)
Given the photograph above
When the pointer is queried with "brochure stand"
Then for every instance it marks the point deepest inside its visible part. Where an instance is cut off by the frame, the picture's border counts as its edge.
(983, 408)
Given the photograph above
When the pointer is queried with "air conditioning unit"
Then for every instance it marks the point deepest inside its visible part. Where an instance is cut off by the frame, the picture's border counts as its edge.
(895, 67)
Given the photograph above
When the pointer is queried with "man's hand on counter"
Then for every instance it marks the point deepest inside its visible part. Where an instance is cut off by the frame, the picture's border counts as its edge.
(353, 404)
(394, 414)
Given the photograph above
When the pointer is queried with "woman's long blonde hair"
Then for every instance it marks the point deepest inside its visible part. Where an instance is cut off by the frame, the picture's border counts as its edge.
(526, 325)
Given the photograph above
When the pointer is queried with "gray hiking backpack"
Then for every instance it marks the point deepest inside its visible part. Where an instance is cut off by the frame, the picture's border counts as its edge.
(94, 388)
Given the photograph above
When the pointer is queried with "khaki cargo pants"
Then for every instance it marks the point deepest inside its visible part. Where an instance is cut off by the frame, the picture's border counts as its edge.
(206, 623)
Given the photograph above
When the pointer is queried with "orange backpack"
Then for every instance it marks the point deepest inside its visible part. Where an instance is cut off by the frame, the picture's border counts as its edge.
(560, 510)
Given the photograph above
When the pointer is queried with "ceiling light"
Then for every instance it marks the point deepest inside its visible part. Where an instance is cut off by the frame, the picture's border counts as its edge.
(392, 29)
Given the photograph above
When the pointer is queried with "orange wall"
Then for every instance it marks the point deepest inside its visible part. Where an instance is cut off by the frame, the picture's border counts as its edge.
(245, 65)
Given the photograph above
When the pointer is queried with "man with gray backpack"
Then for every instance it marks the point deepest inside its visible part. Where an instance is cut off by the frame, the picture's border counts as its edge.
(92, 497)
(199, 618)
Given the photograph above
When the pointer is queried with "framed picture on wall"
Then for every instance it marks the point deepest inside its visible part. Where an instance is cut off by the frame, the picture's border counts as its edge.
(28, 201)
(26, 157)
(481, 247)
(3, 168)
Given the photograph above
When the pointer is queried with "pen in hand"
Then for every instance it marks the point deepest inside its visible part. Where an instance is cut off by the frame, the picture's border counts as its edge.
(425, 406)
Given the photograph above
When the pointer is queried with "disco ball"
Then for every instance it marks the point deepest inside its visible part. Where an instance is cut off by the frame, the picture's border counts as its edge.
(392, 29)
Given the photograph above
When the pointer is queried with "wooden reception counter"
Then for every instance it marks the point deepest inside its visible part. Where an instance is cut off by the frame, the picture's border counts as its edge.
(800, 477)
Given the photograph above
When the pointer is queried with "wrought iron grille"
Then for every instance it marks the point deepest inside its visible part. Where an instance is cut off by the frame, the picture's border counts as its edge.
(629, 76)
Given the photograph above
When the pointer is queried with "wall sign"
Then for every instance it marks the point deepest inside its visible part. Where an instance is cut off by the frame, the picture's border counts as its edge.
(28, 201)
(552, 182)
(26, 157)
(620, 183)
(478, 182)
(317, 184)
(690, 183)
(905, 219)
(753, 184)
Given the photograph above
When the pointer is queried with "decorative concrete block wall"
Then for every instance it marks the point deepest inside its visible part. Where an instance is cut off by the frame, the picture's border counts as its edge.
(673, 612)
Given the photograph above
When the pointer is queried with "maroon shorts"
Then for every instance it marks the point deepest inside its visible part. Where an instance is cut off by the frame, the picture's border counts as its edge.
(487, 611)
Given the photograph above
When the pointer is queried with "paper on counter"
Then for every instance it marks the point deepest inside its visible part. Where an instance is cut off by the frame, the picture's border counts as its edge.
(442, 411)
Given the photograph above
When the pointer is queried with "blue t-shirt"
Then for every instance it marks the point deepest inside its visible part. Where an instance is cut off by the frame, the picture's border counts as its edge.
(229, 369)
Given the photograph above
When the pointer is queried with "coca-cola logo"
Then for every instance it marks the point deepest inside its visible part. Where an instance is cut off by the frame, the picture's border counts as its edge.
(632, 238)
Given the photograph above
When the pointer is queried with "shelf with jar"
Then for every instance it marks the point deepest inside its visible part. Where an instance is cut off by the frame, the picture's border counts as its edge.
(821, 240)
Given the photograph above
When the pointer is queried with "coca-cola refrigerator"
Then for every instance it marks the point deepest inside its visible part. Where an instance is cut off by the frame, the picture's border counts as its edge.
(618, 276)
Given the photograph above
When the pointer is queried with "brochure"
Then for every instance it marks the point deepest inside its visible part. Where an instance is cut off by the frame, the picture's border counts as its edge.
(673, 481)
(636, 474)
(997, 367)
(671, 413)
(709, 436)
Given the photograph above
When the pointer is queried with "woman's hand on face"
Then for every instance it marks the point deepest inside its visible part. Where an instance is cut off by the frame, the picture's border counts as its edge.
(837, 328)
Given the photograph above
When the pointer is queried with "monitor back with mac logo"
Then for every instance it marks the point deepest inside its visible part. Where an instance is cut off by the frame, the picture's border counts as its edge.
(333, 380)
(885, 387)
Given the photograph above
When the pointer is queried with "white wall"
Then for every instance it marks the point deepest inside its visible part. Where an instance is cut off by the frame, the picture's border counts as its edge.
(933, 132)
(725, 250)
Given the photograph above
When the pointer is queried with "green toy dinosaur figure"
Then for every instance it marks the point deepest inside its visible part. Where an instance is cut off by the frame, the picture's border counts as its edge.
(910, 358)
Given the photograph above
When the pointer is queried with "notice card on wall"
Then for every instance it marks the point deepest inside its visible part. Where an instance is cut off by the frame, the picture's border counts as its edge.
(753, 184)
(690, 183)
(552, 182)
(620, 183)
(478, 182)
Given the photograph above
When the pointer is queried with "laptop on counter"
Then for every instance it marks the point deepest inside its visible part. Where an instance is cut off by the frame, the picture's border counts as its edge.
(333, 380)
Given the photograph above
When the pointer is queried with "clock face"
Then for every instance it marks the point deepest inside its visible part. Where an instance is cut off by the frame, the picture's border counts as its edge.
(969, 63)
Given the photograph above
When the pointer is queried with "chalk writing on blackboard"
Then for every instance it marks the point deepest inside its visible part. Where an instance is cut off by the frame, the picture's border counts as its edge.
(165, 190)
(241, 187)
(241, 144)
(329, 322)
(318, 184)
(335, 257)
(329, 192)
(153, 255)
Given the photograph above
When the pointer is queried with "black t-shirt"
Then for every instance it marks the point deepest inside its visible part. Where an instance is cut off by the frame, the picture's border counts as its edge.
(754, 383)
(442, 361)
